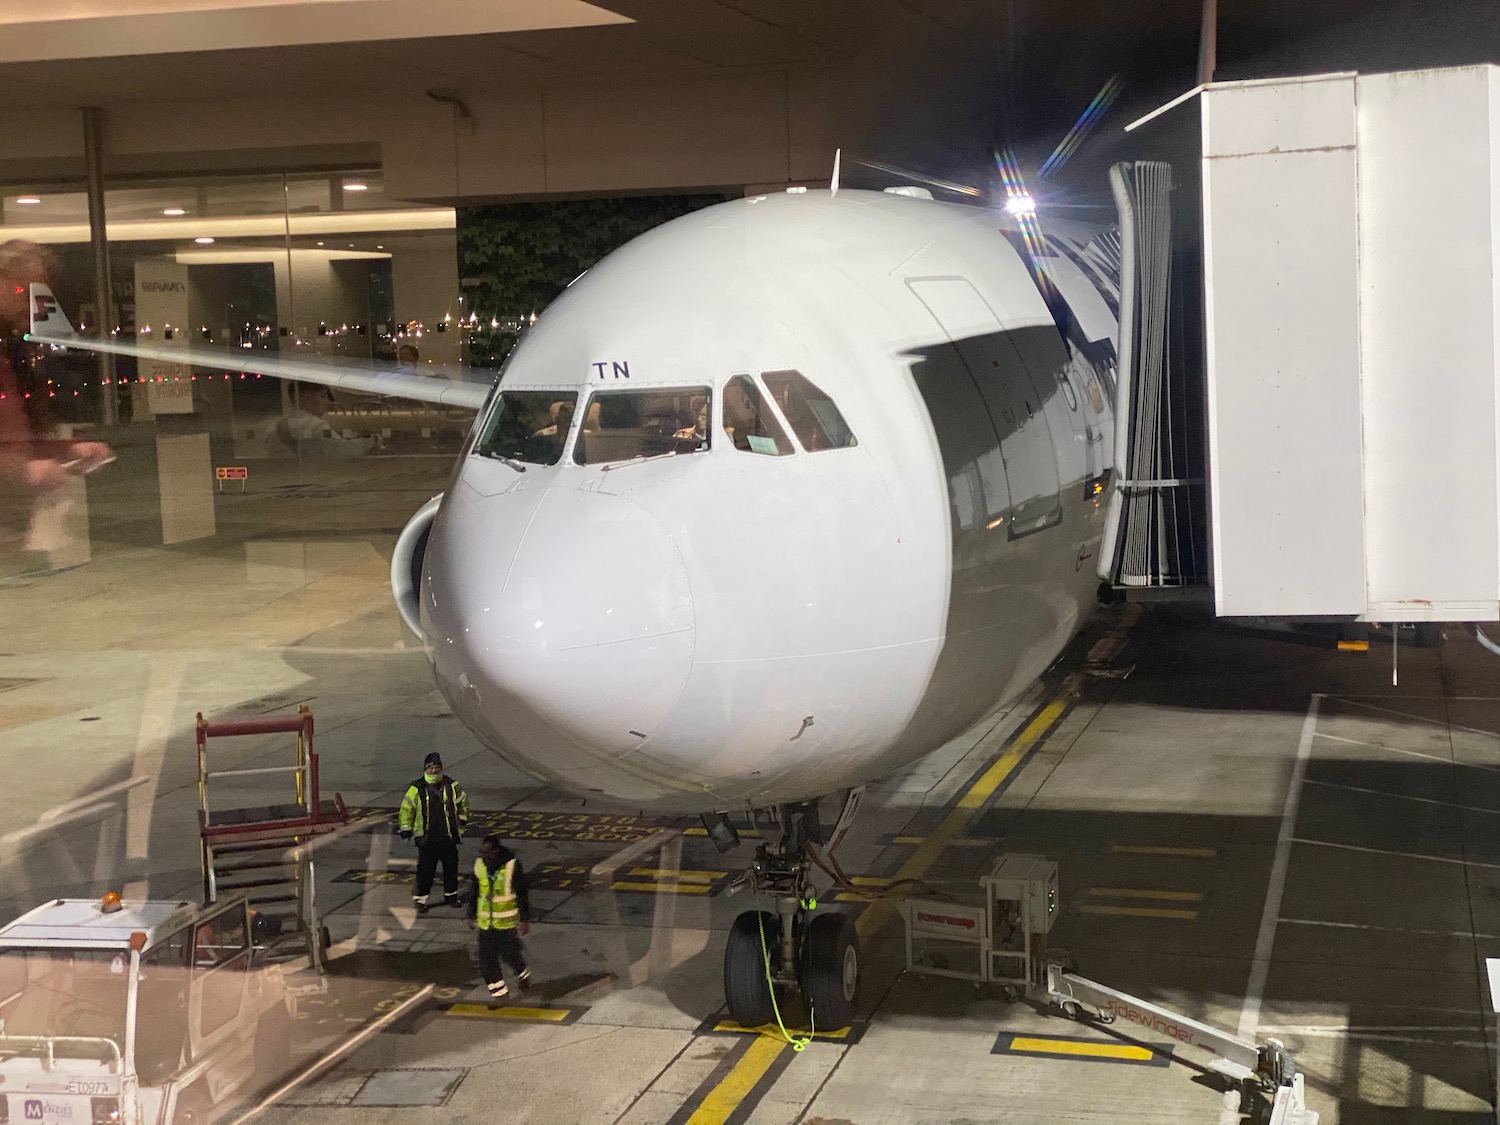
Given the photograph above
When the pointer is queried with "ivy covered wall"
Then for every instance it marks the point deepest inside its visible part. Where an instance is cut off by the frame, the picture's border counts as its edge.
(515, 258)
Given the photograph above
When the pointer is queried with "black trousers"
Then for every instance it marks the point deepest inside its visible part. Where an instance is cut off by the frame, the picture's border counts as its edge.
(498, 945)
(428, 856)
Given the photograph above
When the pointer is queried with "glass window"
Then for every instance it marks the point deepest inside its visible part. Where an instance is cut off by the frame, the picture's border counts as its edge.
(625, 425)
(162, 1009)
(221, 952)
(812, 415)
(528, 426)
(749, 422)
(220, 940)
(76, 993)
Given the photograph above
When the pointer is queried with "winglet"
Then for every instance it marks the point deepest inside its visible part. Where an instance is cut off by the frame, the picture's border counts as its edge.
(48, 321)
(833, 184)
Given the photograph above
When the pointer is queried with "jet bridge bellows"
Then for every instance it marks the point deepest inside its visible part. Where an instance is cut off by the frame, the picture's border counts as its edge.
(1351, 343)
(1156, 532)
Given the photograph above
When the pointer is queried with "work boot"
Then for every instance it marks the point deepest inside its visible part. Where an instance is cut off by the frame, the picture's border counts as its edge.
(421, 905)
(524, 979)
(498, 992)
(452, 900)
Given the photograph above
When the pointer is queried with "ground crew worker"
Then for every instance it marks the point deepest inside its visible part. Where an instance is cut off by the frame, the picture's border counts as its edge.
(435, 811)
(500, 909)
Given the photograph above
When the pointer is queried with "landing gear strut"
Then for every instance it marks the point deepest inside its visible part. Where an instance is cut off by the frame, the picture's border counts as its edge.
(791, 949)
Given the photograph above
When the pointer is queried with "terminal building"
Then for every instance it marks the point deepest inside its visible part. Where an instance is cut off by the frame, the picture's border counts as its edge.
(952, 551)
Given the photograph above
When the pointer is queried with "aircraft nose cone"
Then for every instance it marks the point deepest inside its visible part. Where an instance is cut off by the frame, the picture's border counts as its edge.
(569, 648)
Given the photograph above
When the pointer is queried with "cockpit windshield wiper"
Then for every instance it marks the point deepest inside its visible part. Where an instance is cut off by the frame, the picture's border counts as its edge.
(638, 461)
(511, 461)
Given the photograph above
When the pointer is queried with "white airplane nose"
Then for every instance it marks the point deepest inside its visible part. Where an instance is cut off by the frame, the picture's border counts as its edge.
(569, 645)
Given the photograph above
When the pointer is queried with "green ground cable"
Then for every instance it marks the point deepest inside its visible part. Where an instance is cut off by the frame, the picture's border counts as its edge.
(765, 956)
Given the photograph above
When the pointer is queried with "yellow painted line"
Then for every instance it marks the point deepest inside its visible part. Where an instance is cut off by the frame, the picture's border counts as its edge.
(662, 888)
(916, 866)
(770, 1029)
(1153, 849)
(1138, 911)
(907, 839)
(1354, 646)
(1087, 1050)
(1160, 896)
(724, 1098)
(537, 1015)
(688, 876)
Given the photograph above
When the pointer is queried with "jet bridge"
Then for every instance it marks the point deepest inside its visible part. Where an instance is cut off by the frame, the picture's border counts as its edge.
(1312, 423)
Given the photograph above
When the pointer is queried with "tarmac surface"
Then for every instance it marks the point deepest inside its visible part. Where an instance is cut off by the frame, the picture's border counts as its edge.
(1251, 828)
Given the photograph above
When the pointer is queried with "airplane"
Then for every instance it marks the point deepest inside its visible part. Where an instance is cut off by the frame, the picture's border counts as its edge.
(771, 502)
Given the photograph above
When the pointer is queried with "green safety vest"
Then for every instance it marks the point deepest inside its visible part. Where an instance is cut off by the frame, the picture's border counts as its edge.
(448, 800)
(495, 899)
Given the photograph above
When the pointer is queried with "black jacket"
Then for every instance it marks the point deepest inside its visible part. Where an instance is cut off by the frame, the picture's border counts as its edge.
(518, 884)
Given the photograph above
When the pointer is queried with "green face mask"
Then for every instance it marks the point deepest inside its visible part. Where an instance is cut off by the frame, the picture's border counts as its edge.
(432, 778)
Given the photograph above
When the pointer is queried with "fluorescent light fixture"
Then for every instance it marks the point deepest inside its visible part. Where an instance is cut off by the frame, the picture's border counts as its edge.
(302, 225)
(204, 241)
(1021, 205)
(356, 185)
(28, 199)
(173, 212)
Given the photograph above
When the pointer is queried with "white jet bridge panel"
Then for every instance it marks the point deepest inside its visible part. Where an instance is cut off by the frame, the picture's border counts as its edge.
(1427, 250)
(1280, 259)
(1350, 300)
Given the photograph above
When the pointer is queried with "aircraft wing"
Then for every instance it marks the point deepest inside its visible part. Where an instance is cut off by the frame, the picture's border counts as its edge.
(49, 325)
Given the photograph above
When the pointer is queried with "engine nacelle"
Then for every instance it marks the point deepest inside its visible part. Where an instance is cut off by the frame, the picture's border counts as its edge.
(406, 564)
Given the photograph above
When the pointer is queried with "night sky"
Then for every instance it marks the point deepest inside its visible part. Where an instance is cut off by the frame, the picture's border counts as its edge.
(1034, 65)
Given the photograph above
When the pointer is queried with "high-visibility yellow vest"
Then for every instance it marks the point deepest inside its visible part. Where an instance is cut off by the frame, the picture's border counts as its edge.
(495, 903)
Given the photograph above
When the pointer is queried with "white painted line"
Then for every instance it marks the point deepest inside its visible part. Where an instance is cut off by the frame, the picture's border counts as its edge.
(1260, 966)
(1408, 753)
(1399, 796)
(1468, 934)
(1398, 855)
(1417, 718)
(1379, 1037)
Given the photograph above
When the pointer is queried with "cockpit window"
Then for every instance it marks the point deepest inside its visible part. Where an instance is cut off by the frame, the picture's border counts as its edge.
(528, 426)
(812, 415)
(749, 422)
(625, 425)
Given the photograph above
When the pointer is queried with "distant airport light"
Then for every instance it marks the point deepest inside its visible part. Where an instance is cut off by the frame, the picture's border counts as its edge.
(356, 185)
(173, 212)
(28, 199)
(203, 241)
(1021, 205)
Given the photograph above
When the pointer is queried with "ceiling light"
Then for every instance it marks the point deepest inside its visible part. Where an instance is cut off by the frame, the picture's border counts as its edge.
(173, 211)
(203, 241)
(28, 199)
(356, 185)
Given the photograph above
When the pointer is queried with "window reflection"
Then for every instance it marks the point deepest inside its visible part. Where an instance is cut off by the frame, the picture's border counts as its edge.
(748, 421)
(812, 415)
(625, 425)
(529, 426)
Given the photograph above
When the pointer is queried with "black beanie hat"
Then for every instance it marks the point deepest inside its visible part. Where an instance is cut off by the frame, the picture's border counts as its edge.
(433, 759)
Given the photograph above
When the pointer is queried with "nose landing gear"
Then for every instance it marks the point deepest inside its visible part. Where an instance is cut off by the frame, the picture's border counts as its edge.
(792, 950)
